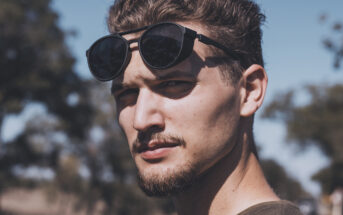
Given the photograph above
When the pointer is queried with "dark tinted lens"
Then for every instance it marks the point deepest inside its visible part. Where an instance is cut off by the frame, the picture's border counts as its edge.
(161, 45)
(107, 57)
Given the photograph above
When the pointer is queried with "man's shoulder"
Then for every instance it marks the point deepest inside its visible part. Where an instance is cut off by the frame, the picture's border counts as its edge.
(281, 207)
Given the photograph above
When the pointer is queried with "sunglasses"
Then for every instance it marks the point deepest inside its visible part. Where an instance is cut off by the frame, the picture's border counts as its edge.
(161, 46)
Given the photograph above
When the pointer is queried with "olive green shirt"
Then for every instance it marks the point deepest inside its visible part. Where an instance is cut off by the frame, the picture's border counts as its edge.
(272, 208)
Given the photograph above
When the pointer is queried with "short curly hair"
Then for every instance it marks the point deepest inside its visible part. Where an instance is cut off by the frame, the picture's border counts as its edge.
(234, 23)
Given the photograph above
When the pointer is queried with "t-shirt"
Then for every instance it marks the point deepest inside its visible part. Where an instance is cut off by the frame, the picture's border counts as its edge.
(272, 208)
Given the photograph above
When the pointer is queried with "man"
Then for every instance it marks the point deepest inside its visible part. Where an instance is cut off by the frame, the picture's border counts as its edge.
(187, 77)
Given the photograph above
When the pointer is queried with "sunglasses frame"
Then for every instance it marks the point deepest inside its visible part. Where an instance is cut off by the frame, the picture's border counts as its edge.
(187, 43)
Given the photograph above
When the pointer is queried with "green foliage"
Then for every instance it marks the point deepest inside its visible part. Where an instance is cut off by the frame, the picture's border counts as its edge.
(319, 122)
(334, 42)
(37, 66)
(283, 185)
(330, 177)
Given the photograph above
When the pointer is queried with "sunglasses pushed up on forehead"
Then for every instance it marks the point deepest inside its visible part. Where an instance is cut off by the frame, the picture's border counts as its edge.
(161, 46)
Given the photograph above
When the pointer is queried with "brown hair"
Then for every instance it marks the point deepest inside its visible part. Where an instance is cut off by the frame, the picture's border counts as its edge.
(233, 23)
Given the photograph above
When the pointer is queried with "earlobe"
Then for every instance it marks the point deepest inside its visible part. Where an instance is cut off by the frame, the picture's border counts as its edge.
(253, 89)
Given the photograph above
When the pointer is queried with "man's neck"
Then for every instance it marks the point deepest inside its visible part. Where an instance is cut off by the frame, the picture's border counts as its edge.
(235, 183)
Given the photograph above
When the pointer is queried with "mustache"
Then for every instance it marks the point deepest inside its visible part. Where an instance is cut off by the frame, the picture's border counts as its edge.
(142, 140)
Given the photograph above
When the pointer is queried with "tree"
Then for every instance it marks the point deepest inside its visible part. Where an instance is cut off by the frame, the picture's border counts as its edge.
(320, 123)
(283, 185)
(334, 42)
(36, 66)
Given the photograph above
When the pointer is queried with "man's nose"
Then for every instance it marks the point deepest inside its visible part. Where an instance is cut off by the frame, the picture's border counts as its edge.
(148, 113)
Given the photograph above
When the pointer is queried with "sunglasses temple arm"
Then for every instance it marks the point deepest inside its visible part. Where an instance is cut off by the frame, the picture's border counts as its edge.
(208, 41)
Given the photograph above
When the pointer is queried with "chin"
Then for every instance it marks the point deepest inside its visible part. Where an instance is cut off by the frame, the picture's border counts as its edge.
(167, 181)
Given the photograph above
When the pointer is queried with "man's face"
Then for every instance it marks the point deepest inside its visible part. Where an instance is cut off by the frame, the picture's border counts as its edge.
(178, 122)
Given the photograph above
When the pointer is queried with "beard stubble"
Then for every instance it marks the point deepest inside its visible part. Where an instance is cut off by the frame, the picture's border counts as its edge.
(172, 182)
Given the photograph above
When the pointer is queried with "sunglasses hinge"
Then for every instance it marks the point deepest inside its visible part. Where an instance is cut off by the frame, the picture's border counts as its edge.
(204, 39)
(190, 33)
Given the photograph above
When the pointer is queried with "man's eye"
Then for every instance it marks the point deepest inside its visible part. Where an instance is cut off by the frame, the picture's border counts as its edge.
(128, 94)
(175, 88)
(171, 83)
(174, 83)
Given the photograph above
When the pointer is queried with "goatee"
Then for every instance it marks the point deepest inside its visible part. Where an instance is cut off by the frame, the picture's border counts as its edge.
(168, 184)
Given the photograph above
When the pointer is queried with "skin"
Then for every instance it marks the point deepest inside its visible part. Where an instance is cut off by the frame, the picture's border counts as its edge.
(214, 118)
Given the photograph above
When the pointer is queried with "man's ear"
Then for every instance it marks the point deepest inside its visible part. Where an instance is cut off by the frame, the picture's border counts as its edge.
(253, 89)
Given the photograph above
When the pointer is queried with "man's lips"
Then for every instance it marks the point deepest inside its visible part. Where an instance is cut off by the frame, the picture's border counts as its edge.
(153, 145)
(155, 150)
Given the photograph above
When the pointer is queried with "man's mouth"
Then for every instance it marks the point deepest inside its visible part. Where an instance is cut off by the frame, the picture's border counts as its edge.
(155, 144)
(156, 150)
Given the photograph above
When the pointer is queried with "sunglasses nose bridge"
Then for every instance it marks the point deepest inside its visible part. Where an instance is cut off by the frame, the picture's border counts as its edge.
(131, 42)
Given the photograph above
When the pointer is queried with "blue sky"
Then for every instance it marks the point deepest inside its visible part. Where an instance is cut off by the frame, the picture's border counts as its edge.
(292, 50)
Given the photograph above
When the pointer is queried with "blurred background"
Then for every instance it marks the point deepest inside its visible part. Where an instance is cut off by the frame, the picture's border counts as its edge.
(61, 151)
